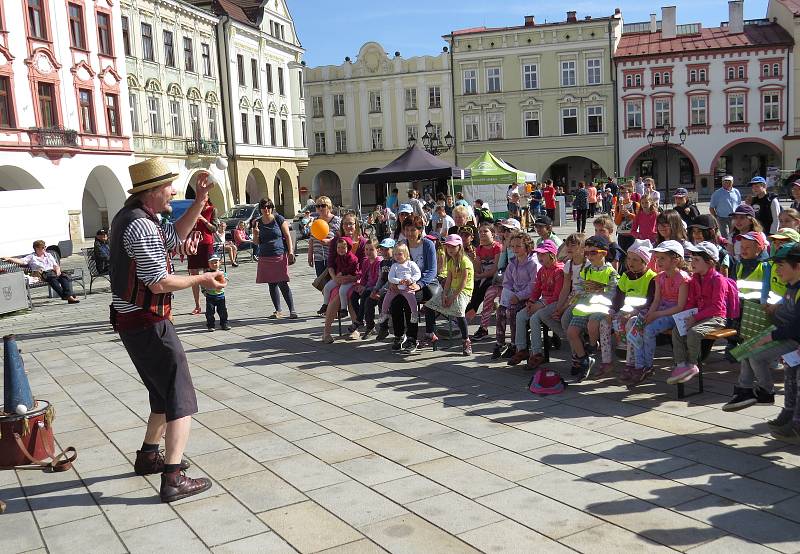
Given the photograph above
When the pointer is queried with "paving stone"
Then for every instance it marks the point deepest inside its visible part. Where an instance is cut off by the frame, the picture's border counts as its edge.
(510, 536)
(364, 546)
(220, 519)
(509, 465)
(266, 446)
(462, 477)
(175, 533)
(296, 429)
(92, 534)
(135, 509)
(305, 472)
(308, 527)
(518, 441)
(610, 539)
(730, 545)
(409, 534)
(372, 469)
(354, 427)
(459, 444)
(262, 491)
(355, 503)
(332, 448)
(454, 513)
(729, 485)
(570, 489)
(62, 506)
(721, 457)
(18, 529)
(227, 463)
(265, 542)
(401, 449)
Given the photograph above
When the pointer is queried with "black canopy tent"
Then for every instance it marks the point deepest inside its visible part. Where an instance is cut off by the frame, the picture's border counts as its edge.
(414, 164)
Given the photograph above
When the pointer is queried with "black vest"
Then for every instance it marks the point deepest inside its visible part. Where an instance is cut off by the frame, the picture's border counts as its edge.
(763, 209)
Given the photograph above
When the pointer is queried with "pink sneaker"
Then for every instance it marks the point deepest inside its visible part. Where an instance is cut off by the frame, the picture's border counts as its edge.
(682, 374)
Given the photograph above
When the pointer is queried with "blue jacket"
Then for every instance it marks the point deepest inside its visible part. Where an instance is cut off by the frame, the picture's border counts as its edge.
(428, 265)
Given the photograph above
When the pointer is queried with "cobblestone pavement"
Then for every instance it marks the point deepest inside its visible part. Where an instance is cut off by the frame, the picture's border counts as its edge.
(349, 448)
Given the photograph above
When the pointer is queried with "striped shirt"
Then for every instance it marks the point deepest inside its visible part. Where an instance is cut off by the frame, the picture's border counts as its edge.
(144, 241)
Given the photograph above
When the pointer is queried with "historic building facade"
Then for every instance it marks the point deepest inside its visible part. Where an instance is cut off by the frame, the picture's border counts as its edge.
(726, 88)
(787, 14)
(262, 84)
(62, 100)
(539, 96)
(174, 90)
(362, 113)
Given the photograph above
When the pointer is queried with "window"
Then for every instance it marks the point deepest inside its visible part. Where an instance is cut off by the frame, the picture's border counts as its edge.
(493, 79)
(656, 79)
(377, 139)
(701, 74)
(280, 81)
(319, 143)
(316, 106)
(471, 125)
(285, 132)
(147, 42)
(48, 116)
(495, 130)
(593, 72)
(188, 54)
(272, 136)
(269, 77)
(133, 104)
(638, 79)
(628, 81)
(36, 19)
(175, 118)
(254, 72)
(569, 121)
(765, 70)
(169, 49)
(692, 75)
(470, 81)
(240, 69)
(740, 72)
(245, 130)
(530, 76)
(633, 114)
(104, 43)
(568, 73)
(736, 108)
(341, 141)
(86, 111)
(731, 73)
(300, 84)
(212, 124)
(411, 99)
(374, 101)
(530, 122)
(206, 55)
(154, 111)
(434, 97)
(76, 33)
(411, 131)
(126, 35)
(594, 119)
(661, 110)
(699, 110)
(303, 132)
(776, 70)
(667, 78)
(771, 106)
(259, 137)
(7, 119)
(338, 104)
(112, 115)
(194, 117)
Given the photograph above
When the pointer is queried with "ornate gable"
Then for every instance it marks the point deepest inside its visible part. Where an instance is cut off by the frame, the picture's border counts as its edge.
(174, 89)
(194, 95)
(153, 85)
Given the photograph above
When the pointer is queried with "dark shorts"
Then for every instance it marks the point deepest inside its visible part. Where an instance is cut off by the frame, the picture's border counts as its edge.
(158, 356)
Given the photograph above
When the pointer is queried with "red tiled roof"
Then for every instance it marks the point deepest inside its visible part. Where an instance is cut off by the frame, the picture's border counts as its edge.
(243, 11)
(715, 38)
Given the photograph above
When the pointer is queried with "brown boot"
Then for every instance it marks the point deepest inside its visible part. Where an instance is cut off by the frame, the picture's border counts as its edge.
(519, 357)
(175, 486)
(535, 360)
(148, 463)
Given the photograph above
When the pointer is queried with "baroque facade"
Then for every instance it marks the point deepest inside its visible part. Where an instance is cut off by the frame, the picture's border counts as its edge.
(62, 96)
(362, 113)
(174, 90)
(539, 96)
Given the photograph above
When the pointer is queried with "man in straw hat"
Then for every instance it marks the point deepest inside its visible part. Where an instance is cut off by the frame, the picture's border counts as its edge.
(142, 283)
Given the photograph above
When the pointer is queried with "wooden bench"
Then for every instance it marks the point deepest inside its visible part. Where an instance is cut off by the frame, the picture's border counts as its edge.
(75, 275)
(94, 274)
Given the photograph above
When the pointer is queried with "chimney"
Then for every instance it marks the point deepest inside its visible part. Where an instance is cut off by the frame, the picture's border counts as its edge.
(668, 25)
(736, 16)
(530, 21)
(653, 23)
(572, 17)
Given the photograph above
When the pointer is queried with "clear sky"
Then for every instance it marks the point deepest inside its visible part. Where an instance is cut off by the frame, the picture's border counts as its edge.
(330, 29)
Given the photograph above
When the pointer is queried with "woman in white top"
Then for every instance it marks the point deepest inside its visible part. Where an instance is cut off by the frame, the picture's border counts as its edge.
(44, 263)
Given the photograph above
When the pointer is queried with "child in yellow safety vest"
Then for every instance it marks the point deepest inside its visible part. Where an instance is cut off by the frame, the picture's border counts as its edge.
(751, 272)
(777, 286)
(599, 286)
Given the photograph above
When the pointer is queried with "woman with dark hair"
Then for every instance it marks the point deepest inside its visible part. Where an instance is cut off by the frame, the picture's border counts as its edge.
(423, 253)
(206, 226)
(275, 255)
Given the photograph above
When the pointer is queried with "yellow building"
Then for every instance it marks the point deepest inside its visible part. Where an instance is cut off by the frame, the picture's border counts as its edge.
(361, 114)
(539, 96)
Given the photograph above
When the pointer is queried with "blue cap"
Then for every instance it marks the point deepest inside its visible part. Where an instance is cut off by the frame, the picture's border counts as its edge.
(387, 243)
(758, 180)
(406, 209)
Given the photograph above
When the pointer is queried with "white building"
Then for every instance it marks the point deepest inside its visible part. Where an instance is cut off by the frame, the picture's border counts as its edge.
(62, 96)
(174, 90)
(262, 83)
(362, 114)
(726, 86)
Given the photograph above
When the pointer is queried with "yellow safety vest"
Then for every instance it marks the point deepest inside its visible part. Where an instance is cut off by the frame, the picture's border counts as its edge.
(594, 303)
(635, 290)
(750, 286)
(777, 287)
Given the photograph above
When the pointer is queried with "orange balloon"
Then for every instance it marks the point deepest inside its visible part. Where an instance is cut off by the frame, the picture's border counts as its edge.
(320, 229)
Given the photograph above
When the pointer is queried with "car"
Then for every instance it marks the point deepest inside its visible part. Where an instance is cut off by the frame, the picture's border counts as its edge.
(235, 214)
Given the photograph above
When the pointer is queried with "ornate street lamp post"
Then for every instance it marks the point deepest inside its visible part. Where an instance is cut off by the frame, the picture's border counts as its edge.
(665, 137)
(431, 141)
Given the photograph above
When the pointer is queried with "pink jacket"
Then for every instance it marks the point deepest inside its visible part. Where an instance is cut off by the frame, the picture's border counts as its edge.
(548, 283)
(644, 226)
(370, 271)
(707, 294)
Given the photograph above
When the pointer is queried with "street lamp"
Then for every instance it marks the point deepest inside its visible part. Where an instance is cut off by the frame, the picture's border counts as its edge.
(666, 137)
(431, 141)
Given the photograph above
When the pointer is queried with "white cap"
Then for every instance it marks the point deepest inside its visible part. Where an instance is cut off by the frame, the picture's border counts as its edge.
(670, 246)
(728, 178)
(709, 248)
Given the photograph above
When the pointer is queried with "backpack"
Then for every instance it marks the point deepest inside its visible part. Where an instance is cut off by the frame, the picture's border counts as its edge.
(546, 381)
(733, 310)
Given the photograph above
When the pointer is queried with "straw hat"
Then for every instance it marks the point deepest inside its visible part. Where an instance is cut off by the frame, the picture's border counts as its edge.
(149, 174)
